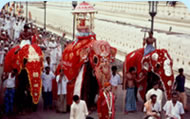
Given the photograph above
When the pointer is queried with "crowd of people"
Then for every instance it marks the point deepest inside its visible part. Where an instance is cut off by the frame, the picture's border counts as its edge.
(17, 98)
(16, 30)
(154, 99)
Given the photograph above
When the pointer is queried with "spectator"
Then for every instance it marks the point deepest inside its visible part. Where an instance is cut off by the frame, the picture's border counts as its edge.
(26, 35)
(173, 108)
(10, 92)
(2, 53)
(62, 92)
(78, 108)
(48, 63)
(155, 90)
(152, 108)
(8, 25)
(17, 30)
(47, 78)
(106, 103)
(129, 84)
(115, 80)
(180, 88)
(53, 53)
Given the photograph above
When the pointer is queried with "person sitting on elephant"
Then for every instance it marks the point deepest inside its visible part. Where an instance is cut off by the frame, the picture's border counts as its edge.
(25, 35)
(83, 32)
(149, 41)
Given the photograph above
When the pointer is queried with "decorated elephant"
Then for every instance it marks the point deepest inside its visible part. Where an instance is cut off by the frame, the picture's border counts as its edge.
(14, 60)
(158, 62)
(86, 63)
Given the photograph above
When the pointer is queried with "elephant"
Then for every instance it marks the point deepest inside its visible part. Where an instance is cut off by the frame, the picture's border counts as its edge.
(86, 63)
(14, 60)
(159, 62)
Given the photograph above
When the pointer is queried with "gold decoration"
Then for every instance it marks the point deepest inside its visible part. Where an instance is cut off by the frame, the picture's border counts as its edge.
(71, 56)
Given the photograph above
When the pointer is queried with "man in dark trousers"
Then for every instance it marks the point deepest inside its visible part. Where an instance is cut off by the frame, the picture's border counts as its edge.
(180, 88)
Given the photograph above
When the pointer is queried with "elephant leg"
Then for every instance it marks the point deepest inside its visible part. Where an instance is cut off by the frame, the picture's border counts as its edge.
(89, 87)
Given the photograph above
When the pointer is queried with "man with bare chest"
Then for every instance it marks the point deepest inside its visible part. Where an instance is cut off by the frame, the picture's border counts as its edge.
(25, 35)
(129, 85)
(149, 44)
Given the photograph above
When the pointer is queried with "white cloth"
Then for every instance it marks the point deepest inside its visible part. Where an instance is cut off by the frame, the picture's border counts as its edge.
(115, 80)
(3, 28)
(51, 66)
(2, 53)
(13, 20)
(174, 110)
(156, 107)
(157, 92)
(47, 81)
(22, 23)
(24, 42)
(53, 56)
(17, 31)
(53, 52)
(2, 21)
(62, 86)
(79, 111)
(59, 51)
(7, 24)
(52, 44)
(10, 82)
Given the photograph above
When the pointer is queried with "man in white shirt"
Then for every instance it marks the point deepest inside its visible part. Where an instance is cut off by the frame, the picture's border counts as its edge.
(59, 51)
(48, 63)
(173, 108)
(115, 80)
(47, 78)
(10, 92)
(155, 90)
(53, 53)
(8, 26)
(62, 81)
(152, 108)
(22, 23)
(17, 30)
(78, 108)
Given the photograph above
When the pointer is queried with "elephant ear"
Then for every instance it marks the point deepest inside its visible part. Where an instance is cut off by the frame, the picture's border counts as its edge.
(113, 52)
(11, 61)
